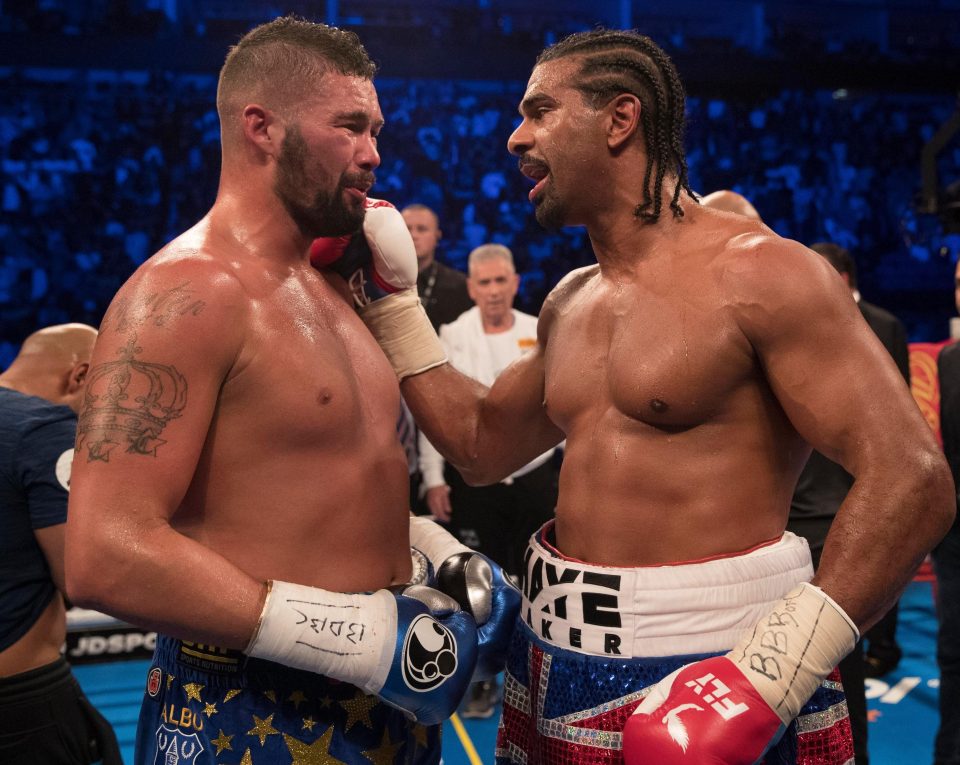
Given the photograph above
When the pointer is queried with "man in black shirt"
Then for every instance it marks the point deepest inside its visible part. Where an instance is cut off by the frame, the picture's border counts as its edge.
(946, 563)
(45, 719)
(442, 290)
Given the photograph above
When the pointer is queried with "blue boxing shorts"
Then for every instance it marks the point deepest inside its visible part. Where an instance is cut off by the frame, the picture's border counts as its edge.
(592, 640)
(211, 706)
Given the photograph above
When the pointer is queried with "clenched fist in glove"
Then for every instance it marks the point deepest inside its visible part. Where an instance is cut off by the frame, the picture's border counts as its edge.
(480, 587)
(379, 263)
(414, 647)
(731, 709)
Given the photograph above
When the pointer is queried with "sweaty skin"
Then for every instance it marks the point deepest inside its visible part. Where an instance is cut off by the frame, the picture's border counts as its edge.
(690, 370)
(240, 420)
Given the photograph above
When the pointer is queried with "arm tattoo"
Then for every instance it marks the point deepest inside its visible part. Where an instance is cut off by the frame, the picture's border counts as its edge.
(128, 403)
(158, 308)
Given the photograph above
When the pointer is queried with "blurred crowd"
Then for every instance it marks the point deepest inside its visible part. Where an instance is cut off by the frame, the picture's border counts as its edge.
(101, 168)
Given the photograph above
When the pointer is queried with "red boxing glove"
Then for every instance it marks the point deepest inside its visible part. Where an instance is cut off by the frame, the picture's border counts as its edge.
(326, 251)
(706, 713)
(729, 710)
(378, 260)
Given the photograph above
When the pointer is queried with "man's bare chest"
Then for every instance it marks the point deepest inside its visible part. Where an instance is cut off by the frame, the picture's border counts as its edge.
(312, 372)
(666, 362)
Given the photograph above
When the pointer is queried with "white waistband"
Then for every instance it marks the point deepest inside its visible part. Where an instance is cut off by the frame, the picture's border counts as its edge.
(657, 610)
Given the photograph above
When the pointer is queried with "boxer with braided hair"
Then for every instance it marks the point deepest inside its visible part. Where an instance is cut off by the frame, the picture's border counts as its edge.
(614, 62)
(667, 615)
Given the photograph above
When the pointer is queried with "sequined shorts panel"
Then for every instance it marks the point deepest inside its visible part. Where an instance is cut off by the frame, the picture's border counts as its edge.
(565, 708)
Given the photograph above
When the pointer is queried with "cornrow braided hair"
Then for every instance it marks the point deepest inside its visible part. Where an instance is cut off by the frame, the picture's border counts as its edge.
(616, 62)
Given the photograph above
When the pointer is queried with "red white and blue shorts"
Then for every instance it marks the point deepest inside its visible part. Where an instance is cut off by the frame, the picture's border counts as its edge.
(592, 640)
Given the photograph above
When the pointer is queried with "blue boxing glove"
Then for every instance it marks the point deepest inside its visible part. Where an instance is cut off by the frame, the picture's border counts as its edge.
(478, 584)
(414, 647)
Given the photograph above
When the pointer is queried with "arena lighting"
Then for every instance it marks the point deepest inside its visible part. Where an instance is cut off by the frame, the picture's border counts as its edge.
(944, 203)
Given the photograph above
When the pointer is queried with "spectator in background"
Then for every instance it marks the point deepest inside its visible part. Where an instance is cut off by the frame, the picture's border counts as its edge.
(154, 135)
(946, 563)
(443, 290)
(45, 719)
(498, 519)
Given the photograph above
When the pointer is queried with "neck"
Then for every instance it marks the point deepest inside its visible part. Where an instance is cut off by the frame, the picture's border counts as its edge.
(257, 223)
(498, 324)
(424, 263)
(620, 239)
(30, 386)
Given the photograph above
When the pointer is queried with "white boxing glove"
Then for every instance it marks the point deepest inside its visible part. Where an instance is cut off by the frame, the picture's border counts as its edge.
(379, 264)
(479, 586)
(378, 260)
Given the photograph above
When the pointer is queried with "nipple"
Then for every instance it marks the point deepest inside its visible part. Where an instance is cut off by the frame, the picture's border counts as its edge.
(659, 406)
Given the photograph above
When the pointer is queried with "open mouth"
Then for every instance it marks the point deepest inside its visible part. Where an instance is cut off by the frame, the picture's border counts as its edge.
(358, 185)
(536, 171)
(358, 194)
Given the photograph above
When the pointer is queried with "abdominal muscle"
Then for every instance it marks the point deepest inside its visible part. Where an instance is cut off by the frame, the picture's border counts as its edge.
(655, 499)
(339, 522)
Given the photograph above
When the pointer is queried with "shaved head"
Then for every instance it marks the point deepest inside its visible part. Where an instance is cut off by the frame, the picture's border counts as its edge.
(62, 343)
(53, 363)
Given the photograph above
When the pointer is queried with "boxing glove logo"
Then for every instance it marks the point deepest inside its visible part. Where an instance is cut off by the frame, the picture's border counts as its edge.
(429, 654)
(675, 727)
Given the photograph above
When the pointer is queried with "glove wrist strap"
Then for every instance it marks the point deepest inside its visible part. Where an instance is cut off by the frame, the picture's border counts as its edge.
(401, 327)
(789, 653)
(433, 540)
(349, 637)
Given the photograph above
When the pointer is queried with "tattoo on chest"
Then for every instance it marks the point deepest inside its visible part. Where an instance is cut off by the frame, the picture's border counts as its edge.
(159, 308)
(128, 403)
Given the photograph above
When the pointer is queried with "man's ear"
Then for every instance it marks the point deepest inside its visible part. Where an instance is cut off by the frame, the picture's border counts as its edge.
(624, 119)
(262, 129)
(77, 377)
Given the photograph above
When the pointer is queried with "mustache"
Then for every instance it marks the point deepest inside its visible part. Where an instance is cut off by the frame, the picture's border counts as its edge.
(362, 180)
(528, 163)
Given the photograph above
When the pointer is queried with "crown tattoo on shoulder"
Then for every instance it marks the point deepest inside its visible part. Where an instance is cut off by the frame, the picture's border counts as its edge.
(128, 403)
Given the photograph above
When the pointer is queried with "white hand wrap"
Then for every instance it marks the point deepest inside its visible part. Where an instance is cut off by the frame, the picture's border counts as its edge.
(433, 540)
(792, 650)
(401, 327)
(350, 637)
